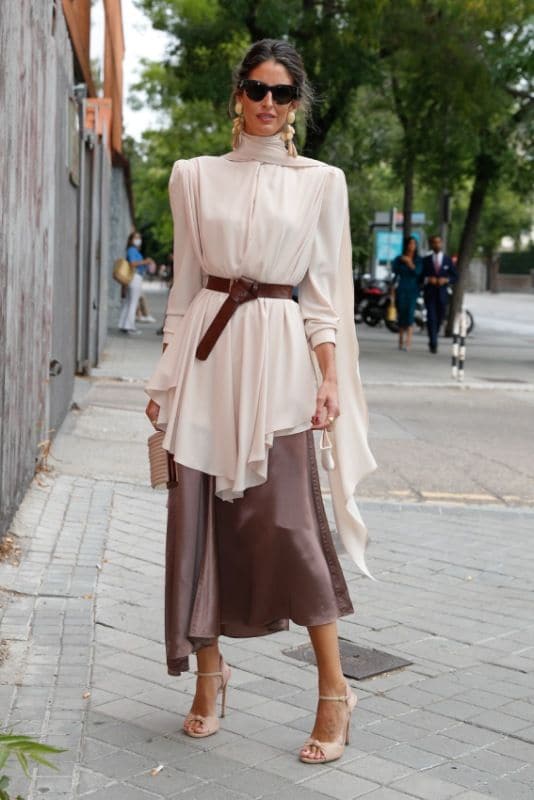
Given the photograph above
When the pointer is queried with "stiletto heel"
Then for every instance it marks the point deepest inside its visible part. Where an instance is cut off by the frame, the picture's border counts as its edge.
(210, 724)
(223, 698)
(331, 751)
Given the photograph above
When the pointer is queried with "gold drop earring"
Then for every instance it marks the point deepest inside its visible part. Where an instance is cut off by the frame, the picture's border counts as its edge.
(288, 133)
(237, 127)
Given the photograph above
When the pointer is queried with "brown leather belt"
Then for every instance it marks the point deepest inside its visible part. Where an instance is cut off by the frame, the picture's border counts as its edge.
(239, 291)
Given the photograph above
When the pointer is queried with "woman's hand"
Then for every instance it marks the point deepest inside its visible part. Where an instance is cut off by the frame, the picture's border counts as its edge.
(327, 406)
(152, 412)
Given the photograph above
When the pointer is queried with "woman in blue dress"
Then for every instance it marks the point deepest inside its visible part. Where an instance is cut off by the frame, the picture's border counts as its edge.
(407, 270)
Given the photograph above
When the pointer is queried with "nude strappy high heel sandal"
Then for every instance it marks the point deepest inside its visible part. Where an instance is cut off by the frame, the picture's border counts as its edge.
(210, 725)
(331, 751)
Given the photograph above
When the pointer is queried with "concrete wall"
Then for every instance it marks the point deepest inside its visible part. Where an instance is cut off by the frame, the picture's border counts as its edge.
(120, 226)
(54, 249)
(29, 54)
(501, 282)
(64, 231)
(476, 276)
(515, 283)
(93, 248)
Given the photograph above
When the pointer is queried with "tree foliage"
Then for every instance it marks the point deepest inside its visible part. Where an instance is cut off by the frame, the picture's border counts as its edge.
(413, 97)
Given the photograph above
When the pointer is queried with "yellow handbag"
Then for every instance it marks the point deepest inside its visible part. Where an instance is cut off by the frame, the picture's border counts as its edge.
(123, 271)
(391, 310)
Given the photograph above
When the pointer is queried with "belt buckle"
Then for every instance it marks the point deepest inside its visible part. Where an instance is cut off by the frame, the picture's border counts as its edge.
(243, 289)
(252, 285)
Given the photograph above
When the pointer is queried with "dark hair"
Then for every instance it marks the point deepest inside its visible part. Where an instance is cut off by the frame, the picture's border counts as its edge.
(131, 237)
(283, 53)
(405, 242)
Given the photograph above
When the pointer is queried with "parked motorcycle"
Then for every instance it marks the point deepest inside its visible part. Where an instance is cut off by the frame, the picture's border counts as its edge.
(372, 298)
(420, 313)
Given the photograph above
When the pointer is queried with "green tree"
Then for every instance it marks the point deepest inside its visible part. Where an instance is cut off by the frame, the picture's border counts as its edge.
(338, 41)
(505, 213)
(503, 134)
(192, 87)
(413, 97)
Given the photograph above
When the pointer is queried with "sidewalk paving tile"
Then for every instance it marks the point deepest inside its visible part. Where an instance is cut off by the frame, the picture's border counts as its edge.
(123, 791)
(167, 782)
(212, 791)
(341, 785)
(376, 767)
(507, 789)
(387, 793)
(426, 787)
(83, 612)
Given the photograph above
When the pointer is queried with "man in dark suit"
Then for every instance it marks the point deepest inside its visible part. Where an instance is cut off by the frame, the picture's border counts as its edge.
(438, 273)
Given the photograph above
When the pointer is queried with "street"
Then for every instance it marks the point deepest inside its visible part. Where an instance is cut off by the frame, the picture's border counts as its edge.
(433, 439)
(450, 518)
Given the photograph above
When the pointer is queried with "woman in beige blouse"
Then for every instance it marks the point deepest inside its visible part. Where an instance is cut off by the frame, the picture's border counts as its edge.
(245, 375)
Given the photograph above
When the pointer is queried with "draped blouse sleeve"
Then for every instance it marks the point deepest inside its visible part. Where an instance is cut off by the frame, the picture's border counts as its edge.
(329, 316)
(187, 279)
(317, 290)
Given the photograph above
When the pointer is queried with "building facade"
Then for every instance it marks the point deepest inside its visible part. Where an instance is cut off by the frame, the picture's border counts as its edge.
(55, 198)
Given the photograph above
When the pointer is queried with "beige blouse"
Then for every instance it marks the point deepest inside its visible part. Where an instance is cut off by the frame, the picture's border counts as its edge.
(263, 214)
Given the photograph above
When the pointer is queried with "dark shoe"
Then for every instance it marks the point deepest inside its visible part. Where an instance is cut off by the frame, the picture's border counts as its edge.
(432, 348)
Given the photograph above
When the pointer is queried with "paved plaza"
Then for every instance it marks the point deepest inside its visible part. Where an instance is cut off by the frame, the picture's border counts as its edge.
(81, 619)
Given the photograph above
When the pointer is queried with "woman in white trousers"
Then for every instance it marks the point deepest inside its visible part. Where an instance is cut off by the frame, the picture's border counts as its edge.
(133, 291)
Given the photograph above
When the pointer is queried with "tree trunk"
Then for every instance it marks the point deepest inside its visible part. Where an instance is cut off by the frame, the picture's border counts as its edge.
(494, 274)
(315, 138)
(407, 206)
(484, 171)
(317, 131)
(408, 156)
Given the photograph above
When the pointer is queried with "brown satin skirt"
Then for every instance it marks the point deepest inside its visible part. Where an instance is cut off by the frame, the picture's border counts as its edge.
(246, 568)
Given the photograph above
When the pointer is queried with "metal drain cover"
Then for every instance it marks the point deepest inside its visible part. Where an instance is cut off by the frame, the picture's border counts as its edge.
(357, 662)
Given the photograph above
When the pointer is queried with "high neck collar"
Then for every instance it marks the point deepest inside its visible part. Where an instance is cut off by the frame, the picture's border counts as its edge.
(259, 148)
(267, 150)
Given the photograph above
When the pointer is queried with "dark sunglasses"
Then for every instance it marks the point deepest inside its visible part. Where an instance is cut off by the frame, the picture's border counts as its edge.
(282, 93)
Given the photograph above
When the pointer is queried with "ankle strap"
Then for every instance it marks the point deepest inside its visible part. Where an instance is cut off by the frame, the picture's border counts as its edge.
(341, 698)
(208, 674)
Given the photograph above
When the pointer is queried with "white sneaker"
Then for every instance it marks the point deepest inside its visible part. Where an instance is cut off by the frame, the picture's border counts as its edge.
(149, 318)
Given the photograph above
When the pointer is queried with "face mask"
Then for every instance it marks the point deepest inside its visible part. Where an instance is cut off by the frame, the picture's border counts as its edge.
(137, 242)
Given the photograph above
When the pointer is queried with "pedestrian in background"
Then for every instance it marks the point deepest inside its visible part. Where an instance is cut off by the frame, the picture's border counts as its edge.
(166, 273)
(143, 314)
(438, 273)
(407, 269)
(130, 301)
(248, 542)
